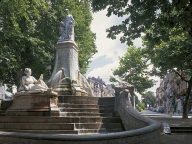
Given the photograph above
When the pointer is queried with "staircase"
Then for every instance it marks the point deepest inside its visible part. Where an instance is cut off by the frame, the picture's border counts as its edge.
(79, 115)
(2, 112)
(4, 105)
(181, 129)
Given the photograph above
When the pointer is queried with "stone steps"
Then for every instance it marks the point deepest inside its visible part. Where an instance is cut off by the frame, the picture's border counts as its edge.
(37, 126)
(79, 115)
(90, 110)
(43, 131)
(59, 126)
(85, 114)
(2, 112)
(114, 126)
(77, 99)
(78, 131)
(68, 105)
(34, 119)
(181, 129)
(95, 131)
(97, 108)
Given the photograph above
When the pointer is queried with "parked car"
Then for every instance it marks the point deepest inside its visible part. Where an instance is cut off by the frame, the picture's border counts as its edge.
(160, 109)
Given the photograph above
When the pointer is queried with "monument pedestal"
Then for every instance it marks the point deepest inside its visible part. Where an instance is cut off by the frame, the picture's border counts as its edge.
(67, 58)
(34, 104)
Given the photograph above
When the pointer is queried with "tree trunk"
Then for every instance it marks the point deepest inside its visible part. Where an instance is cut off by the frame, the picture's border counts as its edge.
(18, 78)
(186, 102)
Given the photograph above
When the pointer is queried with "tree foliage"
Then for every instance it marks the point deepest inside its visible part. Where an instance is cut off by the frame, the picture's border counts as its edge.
(29, 32)
(140, 15)
(173, 55)
(133, 68)
(149, 98)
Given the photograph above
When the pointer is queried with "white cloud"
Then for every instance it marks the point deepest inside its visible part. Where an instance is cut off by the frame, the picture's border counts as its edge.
(105, 46)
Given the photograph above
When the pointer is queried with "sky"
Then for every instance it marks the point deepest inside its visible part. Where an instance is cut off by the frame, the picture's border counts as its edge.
(109, 51)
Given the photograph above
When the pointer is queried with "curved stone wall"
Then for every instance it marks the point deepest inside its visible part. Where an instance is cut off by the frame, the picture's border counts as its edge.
(147, 129)
(139, 129)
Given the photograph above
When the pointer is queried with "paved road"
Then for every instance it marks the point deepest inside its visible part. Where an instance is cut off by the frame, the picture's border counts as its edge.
(172, 120)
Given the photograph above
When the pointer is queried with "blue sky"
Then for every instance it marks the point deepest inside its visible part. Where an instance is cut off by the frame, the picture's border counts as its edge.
(109, 50)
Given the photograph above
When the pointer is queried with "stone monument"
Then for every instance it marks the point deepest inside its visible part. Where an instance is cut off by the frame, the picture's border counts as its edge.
(34, 98)
(66, 78)
(66, 29)
(30, 84)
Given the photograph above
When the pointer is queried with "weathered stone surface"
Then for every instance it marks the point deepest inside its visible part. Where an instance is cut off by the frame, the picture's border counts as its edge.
(5, 104)
(77, 99)
(66, 78)
(118, 90)
(67, 58)
(133, 120)
(27, 104)
(69, 87)
(66, 29)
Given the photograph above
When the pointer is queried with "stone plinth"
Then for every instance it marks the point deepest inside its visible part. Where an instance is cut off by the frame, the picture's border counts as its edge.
(34, 104)
(67, 58)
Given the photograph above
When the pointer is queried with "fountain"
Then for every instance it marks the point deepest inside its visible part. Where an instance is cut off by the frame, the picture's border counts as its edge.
(66, 78)
(66, 107)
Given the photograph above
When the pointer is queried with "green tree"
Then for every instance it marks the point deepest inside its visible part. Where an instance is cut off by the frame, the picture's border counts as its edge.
(142, 105)
(29, 32)
(17, 21)
(133, 68)
(171, 56)
(149, 98)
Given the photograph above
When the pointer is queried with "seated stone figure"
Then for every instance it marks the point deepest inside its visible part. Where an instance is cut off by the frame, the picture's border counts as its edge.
(29, 83)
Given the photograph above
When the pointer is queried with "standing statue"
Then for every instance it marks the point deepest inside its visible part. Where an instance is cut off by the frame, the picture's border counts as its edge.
(29, 83)
(66, 29)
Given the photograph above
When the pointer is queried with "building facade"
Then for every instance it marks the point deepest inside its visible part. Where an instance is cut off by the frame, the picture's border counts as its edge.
(171, 94)
(100, 89)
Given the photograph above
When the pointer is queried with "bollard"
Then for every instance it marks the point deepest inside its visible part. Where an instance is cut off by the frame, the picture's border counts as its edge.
(166, 128)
